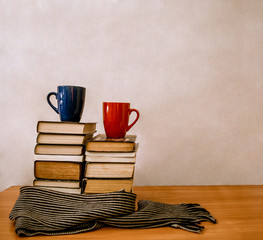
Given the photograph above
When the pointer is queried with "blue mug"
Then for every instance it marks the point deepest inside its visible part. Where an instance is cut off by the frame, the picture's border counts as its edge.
(70, 101)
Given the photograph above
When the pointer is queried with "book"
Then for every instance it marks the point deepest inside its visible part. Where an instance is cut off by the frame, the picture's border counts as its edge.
(65, 158)
(93, 159)
(118, 157)
(106, 185)
(58, 170)
(59, 149)
(61, 189)
(101, 143)
(72, 139)
(56, 183)
(66, 127)
(109, 170)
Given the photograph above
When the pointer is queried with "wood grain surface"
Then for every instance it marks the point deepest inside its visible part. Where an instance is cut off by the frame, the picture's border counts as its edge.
(238, 209)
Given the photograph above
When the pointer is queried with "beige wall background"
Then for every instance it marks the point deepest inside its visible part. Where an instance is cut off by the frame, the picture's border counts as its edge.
(192, 68)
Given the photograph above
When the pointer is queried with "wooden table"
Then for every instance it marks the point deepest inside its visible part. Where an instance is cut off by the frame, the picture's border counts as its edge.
(238, 209)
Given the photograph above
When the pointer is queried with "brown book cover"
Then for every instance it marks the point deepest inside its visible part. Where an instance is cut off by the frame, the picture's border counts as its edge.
(101, 143)
(114, 157)
(58, 170)
(106, 185)
(66, 127)
(56, 183)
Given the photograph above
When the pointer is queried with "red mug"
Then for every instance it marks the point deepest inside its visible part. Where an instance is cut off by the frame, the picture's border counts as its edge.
(116, 119)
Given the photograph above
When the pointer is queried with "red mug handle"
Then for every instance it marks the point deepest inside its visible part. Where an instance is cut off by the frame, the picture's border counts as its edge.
(138, 115)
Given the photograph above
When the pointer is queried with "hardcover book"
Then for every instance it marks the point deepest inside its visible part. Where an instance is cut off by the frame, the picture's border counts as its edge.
(56, 183)
(57, 157)
(106, 185)
(101, 143)
(118, 157)
(66, 127)
(62, 189)
(109, 170)
(71, 139)
(58, 170)
(59, 149)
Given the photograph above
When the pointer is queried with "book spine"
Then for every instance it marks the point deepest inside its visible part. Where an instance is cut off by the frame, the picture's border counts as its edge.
(38, 123)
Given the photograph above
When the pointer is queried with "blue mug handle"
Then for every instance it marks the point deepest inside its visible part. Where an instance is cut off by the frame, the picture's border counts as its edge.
(49, 102)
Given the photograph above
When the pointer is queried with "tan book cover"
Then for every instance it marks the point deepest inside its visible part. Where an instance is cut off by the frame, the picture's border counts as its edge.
(58, 170)
(101, 143)
(59, 149)
(58, 157)
(107, 185)
(66, 127)
(71, 139)
(109, 170)
(118, 157)
(56, 183)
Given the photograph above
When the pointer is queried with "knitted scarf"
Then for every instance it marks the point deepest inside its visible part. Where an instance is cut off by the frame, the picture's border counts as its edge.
(39, 211)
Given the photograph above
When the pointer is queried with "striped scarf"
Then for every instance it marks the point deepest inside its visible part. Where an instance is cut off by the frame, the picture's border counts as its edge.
(39, 211)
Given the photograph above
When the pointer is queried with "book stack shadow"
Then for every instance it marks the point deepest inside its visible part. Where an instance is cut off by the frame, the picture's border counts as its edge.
(109, 164)
(59, 155)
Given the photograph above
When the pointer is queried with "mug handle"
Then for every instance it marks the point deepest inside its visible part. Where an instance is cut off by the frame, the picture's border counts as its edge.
(49, 102)
(138, 115)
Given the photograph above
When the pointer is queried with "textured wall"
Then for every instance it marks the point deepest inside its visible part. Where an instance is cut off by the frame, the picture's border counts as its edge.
(192, 68)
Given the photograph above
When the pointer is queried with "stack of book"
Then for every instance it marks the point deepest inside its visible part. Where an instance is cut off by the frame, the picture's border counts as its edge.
(109, 164)
(59, 154)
